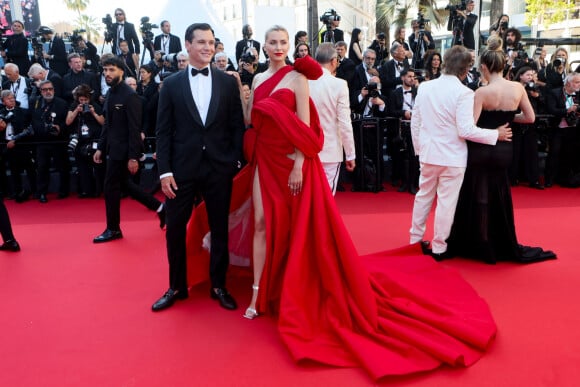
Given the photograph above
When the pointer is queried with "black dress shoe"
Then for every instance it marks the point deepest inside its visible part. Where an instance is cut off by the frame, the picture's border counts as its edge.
(11, 245)
(441, 256)
(425, 248)
(224, 297)
(108, 235)
(62, 195)
(42, 198)
(536, 185)
(168, 299)
(22, 196)
(161, 215)
(413, 190)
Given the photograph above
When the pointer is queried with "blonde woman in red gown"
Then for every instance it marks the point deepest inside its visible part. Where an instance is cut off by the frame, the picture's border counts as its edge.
(391, 313)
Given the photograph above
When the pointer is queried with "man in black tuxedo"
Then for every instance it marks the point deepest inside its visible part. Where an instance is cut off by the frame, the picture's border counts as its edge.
(122, 144)
(56, 55)
(199, 147)
(390, 72)
(462, 26)
(126, 31)
(362, 76)
(246, 42)
(405, 164)
(345, 69)
(167, 42)
(38, 74)
(78, 76)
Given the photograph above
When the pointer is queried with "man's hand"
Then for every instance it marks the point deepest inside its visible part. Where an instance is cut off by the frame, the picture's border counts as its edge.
(133, 166)
(407, 114)
(97, 157)
(377, 101)
(505, 133)
(168, 186)
(350, 165)
(11, 144)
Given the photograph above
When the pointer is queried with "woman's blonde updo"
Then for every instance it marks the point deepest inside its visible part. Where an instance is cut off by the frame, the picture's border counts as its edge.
(493, 56)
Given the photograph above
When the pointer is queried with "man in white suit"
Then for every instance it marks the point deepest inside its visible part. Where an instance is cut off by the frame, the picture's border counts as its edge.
(330, 95)
(442, 120)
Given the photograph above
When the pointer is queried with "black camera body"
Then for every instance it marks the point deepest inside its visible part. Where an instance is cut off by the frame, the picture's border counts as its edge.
(531, 86)
(372, 88)
(7, 117)
(559, 61)
(422, 21)
(329, 16)
(453, 8)
(109, 28)
(146, 28)
(248, 57)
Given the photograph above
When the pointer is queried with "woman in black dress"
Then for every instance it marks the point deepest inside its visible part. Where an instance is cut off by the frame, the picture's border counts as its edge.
(483, 227)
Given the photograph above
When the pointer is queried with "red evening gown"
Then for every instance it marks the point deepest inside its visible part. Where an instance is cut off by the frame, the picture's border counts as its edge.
(392, 313)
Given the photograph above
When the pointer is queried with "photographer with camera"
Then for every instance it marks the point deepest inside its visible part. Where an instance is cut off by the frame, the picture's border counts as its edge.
(515, 53)
(461, 22)
(38, 74)
(48, 123)
(333, 34)
(247, 42)
(15, 48)
(555, 72)
(420, 41)
(562, 103)
(379, 45)
(85, 121)
(56, 55)
(525, 136)
(362, 75)
(20, 86)
(249, 65)
(125, 31)
(15, 128)
(166, 41)
(87, 51)
(500, 26)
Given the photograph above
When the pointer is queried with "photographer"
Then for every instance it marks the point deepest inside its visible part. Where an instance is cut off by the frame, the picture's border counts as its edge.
(247, 42)
(562, 103)
(420, 41)
(461, 22)
(332, 34)
(127, 58)
(15, 129)
(516, 56)
(20, 86)
(149, 90)
(86, 50)
(249, 65)
(38, 73)
(525, 136)
(56, 55)
(362, 75)
(125, 31)
(167, 42)
(500, 26)
(85, 121)
(555, 72)
(15, 47)
(48, 123)
(379, 45)
(390, 72)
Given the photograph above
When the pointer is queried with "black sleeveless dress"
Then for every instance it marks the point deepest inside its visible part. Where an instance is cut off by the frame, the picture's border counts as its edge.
(483, 227)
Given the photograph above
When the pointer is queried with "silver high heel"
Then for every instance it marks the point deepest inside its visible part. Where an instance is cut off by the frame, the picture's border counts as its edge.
(252, 313)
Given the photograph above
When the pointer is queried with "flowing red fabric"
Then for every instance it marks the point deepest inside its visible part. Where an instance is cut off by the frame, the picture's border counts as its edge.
(392, 313)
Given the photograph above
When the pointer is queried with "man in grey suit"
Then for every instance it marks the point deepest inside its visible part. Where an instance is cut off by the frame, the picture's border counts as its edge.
(199, 150)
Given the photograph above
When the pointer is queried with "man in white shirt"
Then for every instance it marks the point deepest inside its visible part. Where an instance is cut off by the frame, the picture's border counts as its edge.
(330, 95)
(442, 120)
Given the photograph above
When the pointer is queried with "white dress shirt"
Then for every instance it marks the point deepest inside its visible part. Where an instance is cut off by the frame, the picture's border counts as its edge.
(200, 91)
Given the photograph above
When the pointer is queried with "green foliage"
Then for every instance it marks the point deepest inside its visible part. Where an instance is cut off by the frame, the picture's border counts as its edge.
(547, 12)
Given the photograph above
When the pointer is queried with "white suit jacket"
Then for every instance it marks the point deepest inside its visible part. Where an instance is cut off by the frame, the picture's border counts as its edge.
(330, 95)
(442, 120)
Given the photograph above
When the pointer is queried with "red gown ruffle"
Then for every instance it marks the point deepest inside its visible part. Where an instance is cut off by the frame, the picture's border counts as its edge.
(392, 313)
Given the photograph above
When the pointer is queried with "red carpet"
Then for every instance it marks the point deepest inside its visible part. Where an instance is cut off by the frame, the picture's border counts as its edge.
(78, 314)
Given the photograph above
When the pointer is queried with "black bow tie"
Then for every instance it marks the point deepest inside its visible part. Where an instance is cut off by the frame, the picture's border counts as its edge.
(400, 64)
(204, 71)
(407, 91)
(166, 36)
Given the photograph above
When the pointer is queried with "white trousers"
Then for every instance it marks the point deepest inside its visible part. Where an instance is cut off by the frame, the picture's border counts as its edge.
(332, 170)
(445, 182)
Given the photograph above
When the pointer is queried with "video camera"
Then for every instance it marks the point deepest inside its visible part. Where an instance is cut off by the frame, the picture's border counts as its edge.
(109, 28)
(422, 21)
(453, 8)
(329, 16)
(145, 29)
(248, 57)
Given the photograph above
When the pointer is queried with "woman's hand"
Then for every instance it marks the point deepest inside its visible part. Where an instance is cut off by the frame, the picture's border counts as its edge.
(295, 181)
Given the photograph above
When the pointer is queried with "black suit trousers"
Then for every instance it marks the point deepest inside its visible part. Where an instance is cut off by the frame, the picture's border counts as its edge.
(216, 191)
(5, 226)
(59, 154)
(117, 179)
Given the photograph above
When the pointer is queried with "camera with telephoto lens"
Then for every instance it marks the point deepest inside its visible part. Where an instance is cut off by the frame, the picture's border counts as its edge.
(248, 57)
(372, 88)
(73, 142)
(329, 16)
(531, 86)
(49, 126)
(559, 61)
(7, 117)
(172, 58)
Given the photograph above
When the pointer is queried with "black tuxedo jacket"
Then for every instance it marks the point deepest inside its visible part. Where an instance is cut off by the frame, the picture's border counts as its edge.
(59, 62)
(130, 36)
(72, 80)
(359, 80)
(121, 134)
(184, 143)
(345, 70)
(173, 47)
(20, 123)
(468, 35)
(556, 104)
(396, 102)
(241, 45)
(389, 78)
(41, 114)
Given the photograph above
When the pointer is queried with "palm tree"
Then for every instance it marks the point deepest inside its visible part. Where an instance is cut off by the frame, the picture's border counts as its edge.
(90, 25)
(397, 11)
(77, 5)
